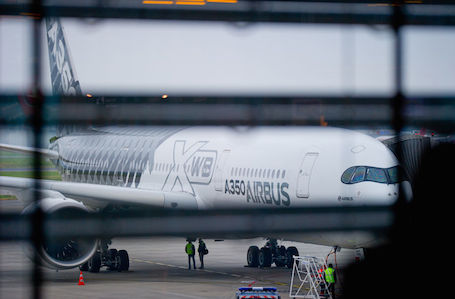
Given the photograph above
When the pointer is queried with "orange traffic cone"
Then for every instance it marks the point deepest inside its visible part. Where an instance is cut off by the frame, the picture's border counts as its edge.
(81, 280)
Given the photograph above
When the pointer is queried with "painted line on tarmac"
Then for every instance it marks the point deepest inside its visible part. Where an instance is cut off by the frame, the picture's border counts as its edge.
(210, 271)
(184, 268)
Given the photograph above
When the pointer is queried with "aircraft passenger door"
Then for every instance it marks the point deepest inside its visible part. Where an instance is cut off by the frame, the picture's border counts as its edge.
(304, 175)
(220, 167)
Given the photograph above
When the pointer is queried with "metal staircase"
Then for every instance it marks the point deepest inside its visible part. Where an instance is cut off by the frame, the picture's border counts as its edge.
(307, 279)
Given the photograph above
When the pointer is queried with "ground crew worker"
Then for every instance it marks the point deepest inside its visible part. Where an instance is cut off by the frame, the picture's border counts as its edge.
(189, 249)
(202, 250)
(330, 278)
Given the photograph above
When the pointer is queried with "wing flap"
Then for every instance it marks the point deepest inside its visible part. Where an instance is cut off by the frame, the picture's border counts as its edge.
(102, 194)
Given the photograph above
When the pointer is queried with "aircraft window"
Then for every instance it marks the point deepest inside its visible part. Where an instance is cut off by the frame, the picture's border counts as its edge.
(393, 175)
(359, 175)
(268, 173)
(248, 172)
(260, 173)
(256, 172)
(278, 174)
(347, 175)
(376, 175)
(232, 171)
(283, 173)
(273, 174)
(244, 171)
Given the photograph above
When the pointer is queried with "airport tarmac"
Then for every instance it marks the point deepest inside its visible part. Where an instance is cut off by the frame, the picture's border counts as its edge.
(158, 269)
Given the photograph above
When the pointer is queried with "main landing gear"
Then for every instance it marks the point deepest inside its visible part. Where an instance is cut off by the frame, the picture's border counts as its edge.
(271, 253)
(113, 259)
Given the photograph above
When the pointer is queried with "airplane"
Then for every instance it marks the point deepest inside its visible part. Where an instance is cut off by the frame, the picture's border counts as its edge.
(202, 168)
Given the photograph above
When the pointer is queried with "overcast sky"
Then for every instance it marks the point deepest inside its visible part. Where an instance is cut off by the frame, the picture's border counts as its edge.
(128, 56)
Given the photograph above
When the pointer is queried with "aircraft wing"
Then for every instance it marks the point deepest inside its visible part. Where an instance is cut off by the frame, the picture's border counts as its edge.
(100, 195)
(46, 153)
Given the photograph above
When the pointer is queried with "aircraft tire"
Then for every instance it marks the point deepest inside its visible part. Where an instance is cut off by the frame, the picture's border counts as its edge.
(252, 256)
(281, 262)
(123, 260)
(291, 251)
(112, 256)
(265, 257)
(94, 263)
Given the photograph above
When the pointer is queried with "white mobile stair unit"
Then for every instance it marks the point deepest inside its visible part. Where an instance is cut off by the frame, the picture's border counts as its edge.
(308, 277)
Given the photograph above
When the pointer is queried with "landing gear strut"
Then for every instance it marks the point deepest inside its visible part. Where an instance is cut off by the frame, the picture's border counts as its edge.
(271, 253)
(113, 259)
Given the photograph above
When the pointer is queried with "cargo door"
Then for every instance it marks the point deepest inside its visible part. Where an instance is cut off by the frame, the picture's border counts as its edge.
(220, 169)
(304, 175)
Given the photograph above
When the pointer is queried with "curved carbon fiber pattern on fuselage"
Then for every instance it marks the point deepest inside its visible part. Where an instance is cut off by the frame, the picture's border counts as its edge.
(109, 155)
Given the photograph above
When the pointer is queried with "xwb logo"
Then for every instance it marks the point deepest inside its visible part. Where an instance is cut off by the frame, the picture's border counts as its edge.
(191, 165)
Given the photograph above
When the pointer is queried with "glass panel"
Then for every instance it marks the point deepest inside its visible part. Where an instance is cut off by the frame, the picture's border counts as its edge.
(347, 174)
(359, 175)
(376, 175)
(393, 175)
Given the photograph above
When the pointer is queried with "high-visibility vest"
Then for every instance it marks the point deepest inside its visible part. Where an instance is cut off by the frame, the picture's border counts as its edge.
(329, 275)
(189, 249)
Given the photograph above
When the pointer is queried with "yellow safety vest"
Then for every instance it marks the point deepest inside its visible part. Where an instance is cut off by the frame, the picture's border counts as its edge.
(189, 249)
(329, 275)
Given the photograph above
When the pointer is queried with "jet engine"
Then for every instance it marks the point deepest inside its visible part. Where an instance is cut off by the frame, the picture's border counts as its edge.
(63, 253)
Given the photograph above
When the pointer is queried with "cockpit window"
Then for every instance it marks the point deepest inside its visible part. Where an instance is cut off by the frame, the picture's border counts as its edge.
(347, 175)
(376, 175)
(359, 175)
(393, 175)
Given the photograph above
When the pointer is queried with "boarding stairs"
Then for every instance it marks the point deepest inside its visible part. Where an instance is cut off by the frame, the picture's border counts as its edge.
(307, 279)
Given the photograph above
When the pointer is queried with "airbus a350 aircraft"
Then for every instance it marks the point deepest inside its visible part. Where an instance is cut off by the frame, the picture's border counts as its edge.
(202, 168)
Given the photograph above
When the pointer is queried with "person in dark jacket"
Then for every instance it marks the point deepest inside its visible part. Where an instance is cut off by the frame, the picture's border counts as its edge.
(202, 250)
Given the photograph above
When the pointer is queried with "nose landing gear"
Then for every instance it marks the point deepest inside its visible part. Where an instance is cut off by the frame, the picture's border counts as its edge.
(271, 253)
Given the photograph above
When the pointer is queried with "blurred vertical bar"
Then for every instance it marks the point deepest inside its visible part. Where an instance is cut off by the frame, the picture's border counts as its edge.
(36, 220)
(398, 109)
